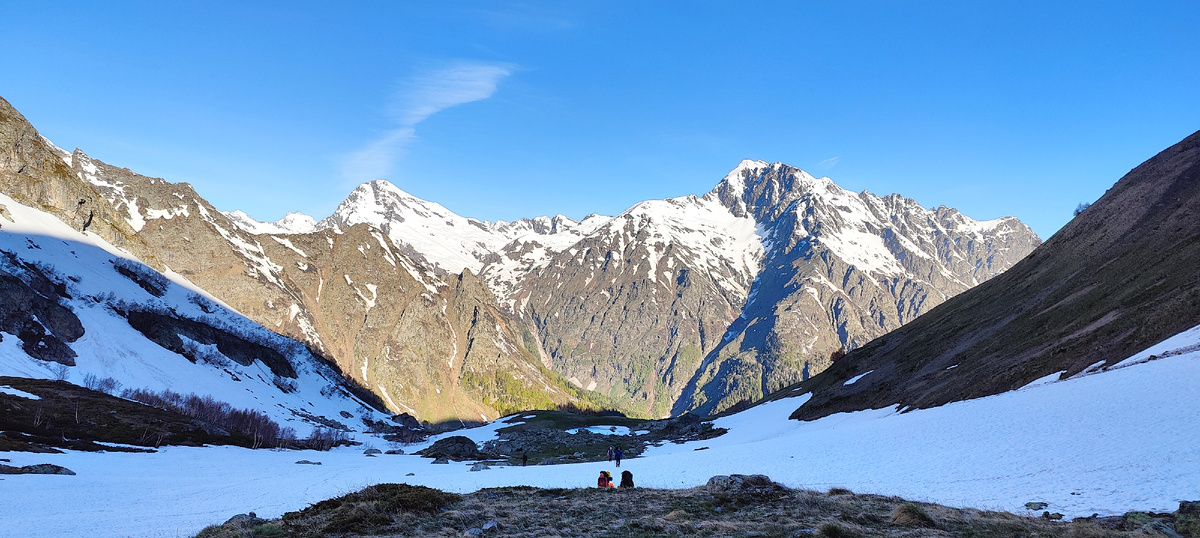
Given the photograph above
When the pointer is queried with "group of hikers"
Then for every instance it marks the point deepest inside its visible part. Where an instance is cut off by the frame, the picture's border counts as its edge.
(606, 480)
(615, 454)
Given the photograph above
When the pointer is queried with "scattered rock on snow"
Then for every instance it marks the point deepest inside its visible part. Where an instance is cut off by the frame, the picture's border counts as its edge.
(1035, 505)
(395, 452)
(479, 467)
(308, 462)
(442, 460)
(456, 447)
(41, 468)
(372, 452)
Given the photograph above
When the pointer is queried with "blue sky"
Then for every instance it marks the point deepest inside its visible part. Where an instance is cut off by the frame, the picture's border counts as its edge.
(509, 110)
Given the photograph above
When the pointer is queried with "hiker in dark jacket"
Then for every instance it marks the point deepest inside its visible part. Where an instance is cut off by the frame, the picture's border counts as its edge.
(617, 453)
(626, 480)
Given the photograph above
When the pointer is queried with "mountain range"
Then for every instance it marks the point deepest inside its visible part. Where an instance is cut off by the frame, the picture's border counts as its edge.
(695, 303)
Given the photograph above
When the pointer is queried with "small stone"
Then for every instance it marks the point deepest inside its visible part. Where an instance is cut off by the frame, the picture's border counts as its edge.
(308, 462)
(479, 467)
(372, 452)
(491, 525)
(1035, 505)
(474, 532)
(411, 474)
(395, 452)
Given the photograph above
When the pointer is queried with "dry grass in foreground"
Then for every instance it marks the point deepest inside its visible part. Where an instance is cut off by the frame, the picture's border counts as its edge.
(752, 508)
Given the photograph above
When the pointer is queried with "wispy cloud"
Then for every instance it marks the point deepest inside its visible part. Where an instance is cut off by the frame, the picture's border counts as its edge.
(417, 99)
(828, 163)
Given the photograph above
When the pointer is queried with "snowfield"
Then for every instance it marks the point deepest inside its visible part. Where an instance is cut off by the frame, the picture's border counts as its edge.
(1103, 442)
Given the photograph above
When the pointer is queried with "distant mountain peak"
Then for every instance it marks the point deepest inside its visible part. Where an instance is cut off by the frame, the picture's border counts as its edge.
(292, 223)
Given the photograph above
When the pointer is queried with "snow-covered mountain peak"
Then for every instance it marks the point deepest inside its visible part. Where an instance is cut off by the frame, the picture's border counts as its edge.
(292, 223)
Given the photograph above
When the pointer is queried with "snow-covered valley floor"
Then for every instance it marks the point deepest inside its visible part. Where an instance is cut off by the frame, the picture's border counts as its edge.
(1109, 442)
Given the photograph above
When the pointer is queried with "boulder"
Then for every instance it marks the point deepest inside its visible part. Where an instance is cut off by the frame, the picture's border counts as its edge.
(737, 482)
(456, 447)
(479, 467)
(491, 525)
(372, 452)
(244, 521)
(441, 461)
(41, 468)
(395, 452)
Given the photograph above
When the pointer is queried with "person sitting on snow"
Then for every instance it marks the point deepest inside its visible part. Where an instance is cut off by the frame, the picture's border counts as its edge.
(605, 480)
(626, 480)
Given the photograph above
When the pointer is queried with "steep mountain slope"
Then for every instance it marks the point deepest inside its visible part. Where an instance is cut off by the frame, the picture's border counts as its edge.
(697, 303)
(631, 308)
(839, 270)
(76, 307)
(406, 333)
(684, 304)
(1121, 276)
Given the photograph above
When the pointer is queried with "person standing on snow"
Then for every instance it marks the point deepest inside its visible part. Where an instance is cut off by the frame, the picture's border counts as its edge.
(617, 453)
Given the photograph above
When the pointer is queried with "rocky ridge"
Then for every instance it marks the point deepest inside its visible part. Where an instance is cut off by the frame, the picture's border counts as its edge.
(685, 304)
(697, 303)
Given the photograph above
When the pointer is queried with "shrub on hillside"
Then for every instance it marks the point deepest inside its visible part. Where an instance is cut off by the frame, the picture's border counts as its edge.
(256, 424)
(106, 385)
(150, 280)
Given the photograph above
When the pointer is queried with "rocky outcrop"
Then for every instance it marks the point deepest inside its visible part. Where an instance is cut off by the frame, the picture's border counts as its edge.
(455, 447)
(40, 468)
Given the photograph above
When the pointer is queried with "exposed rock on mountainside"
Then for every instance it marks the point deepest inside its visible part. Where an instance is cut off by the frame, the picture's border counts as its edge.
(437, 348)
(1119, 277)
(840, 269)
(697, 303)
(684, 304)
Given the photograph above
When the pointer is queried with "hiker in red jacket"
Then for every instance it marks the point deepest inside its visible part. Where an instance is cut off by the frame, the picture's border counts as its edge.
(605, 480)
